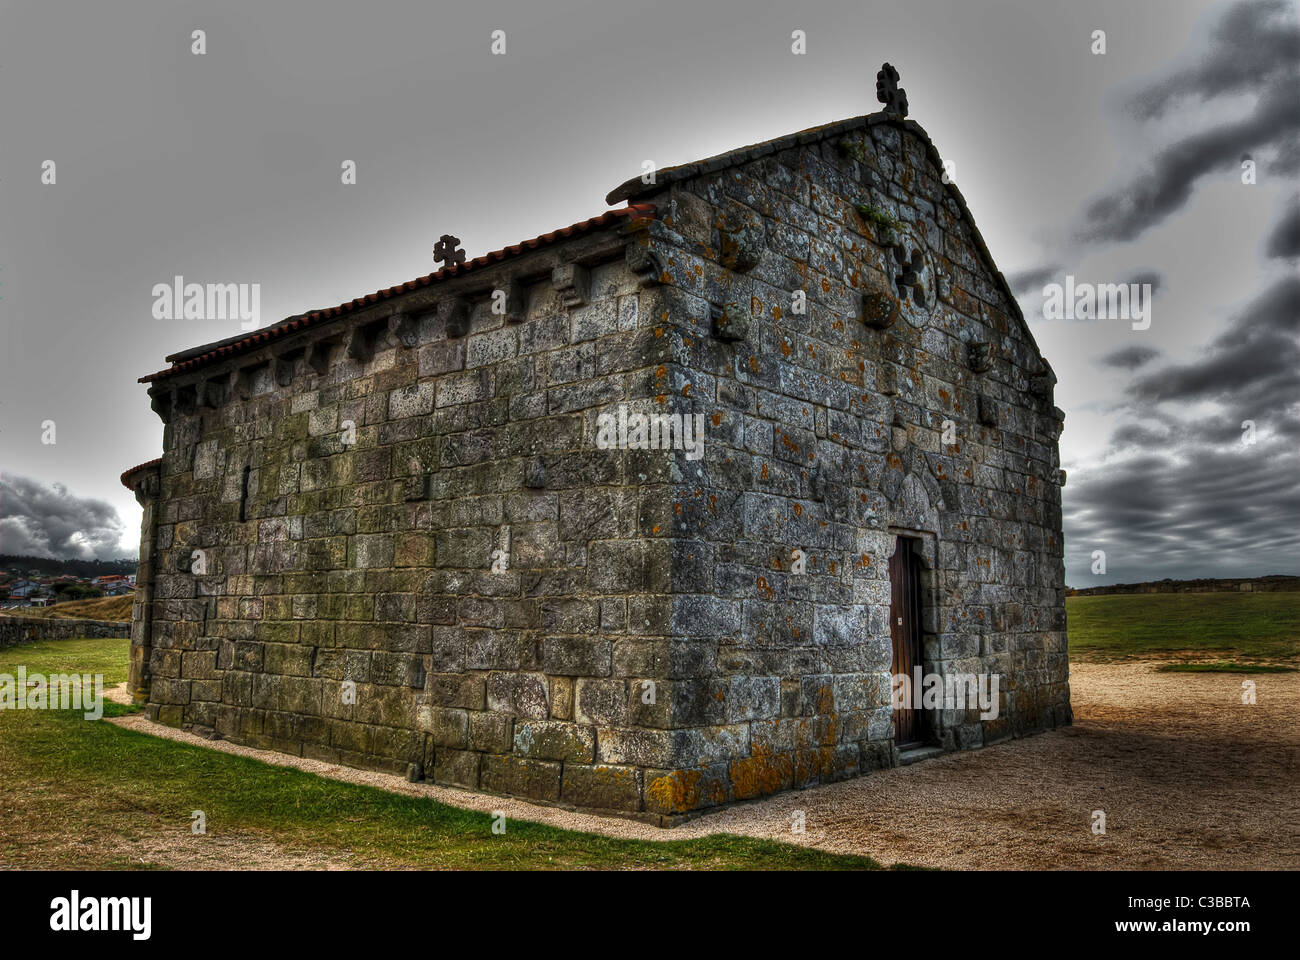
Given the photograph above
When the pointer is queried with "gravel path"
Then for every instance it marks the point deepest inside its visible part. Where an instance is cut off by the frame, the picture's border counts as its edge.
(1188, 777)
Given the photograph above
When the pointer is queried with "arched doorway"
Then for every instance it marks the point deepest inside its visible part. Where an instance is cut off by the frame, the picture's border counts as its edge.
(911, 724)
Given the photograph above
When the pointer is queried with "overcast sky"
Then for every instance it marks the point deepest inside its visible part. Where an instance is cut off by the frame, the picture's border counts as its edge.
(225, 167)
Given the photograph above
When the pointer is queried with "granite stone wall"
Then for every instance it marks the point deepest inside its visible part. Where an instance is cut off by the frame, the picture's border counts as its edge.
(398, 541)
(16, 630)
(904, 396)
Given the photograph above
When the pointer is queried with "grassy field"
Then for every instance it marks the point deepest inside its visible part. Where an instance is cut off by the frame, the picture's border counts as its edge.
(1232, 629)
(80, 794)
(98, 608)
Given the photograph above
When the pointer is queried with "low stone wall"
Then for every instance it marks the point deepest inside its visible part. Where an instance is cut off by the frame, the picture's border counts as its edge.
(1224, 585)
(16, 630)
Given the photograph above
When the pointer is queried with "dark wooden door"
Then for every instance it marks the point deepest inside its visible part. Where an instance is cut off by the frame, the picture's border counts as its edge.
(905, 630)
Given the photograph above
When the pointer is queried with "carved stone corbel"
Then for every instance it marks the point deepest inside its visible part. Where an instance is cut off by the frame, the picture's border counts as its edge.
(404, 329)
(730, 323)
(979, 356)
(516, 301)
(647, 263)
(879, 309)
(163, 403)
(742, 243)
(359, 346)
(573, 283)
(318, 354)
(458, 317)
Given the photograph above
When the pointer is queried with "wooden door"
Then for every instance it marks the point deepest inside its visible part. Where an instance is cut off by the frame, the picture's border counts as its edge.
(910, 727)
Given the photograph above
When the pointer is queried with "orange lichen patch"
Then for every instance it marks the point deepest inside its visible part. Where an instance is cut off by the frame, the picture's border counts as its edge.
(864, 561)
(763, 472)
(686, 390)
(682, 790)
(659, 331)
(837, 325)
(788, 443)
(894, 461)
(717, 417)
(655, 529)
(765, 589)
(798, 509)
(832, 566)
(825, 699)
(713, 503)
(826, 285)
(753, 364)
(812, 351)
(776, 313)
(785, 347)
(758, 776)
(677, 509)
(661, 398)
(811, 765)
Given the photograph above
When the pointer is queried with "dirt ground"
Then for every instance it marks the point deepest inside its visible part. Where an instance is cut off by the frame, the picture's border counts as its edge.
(1187, 775)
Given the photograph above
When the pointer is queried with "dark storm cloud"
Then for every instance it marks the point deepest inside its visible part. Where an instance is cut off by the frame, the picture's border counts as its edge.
(1287, 161)
(1130, 358)
(1252, 41)
(1033, 280)
(1256, 361)
(1202, 494)
(1284, 241)
(1192, 511)
(48, 521)
(1167, 184)
(1155, 280)
(1255, 50)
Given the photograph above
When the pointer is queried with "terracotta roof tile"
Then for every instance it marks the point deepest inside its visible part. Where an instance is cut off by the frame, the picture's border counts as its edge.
(137, 468)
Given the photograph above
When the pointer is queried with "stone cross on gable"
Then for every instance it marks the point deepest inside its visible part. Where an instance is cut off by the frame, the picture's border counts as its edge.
(889, 92)
(447, 250)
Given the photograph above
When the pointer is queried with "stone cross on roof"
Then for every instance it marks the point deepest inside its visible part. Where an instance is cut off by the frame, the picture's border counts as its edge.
(889, 92)
(447, 250)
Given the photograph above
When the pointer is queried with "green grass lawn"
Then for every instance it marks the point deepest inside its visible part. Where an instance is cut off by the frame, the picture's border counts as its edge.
(72, 788)
(1239, 628)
